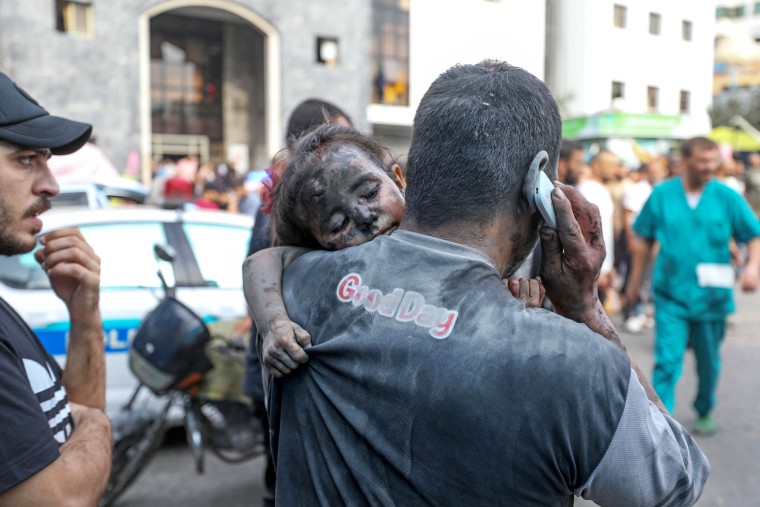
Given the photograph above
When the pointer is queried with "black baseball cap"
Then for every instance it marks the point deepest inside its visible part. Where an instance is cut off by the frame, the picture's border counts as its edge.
(24, 122)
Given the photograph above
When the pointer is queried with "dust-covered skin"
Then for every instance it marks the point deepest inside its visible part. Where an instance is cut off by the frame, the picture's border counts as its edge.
(521, 242)
(528, 290)
(573, 254)
(350, 200)
(282, 341)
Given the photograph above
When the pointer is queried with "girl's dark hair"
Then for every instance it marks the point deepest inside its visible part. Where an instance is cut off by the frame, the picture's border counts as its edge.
(309, 114)
(306, 160)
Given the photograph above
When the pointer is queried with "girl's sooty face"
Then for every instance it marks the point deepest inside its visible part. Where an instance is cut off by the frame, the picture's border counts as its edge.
(351, 200)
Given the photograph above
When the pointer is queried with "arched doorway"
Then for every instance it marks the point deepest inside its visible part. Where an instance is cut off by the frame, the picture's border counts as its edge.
(209, 83)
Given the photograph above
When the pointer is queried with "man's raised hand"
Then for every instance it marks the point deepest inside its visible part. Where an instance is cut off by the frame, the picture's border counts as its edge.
(572, 254)
(73, 269)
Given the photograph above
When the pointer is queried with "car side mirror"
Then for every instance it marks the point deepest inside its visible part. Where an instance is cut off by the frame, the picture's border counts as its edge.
(164, 252)
(165, 256)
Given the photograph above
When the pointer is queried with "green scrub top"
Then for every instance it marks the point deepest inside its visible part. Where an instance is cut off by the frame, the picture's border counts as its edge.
(689, 238)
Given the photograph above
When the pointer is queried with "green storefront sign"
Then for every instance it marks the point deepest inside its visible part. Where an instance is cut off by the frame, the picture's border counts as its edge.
(621, 125)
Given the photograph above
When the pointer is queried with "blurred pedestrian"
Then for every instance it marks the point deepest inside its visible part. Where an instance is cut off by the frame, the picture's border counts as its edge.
(727, 174)
(206, 173)
(213, 197)
(594, 188)
(693, 218)
(570, 164)
(636, 195)
(752, 182)
(249, 193)
(55, 443)
(311, 113)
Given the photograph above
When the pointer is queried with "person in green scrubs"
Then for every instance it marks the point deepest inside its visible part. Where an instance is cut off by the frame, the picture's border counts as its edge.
(693, 219)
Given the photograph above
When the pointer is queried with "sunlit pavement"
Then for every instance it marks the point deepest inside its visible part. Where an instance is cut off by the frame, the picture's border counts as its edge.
(734, 451)
(170, 481)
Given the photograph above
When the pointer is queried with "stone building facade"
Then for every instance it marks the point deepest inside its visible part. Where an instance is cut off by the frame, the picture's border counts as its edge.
(100, 71)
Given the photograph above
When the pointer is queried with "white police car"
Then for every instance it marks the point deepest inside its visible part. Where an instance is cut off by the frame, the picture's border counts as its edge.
(210, 248)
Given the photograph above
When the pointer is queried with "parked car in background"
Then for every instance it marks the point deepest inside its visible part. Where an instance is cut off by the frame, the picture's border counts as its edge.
(97, 195)
(210, 248)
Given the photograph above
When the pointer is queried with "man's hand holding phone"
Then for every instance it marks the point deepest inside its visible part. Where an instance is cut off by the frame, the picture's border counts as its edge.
(572, 254)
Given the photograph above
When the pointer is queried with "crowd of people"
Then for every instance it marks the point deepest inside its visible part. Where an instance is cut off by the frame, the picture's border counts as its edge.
(188, 183)
(621, 191)
(419, 335)
(691, 212)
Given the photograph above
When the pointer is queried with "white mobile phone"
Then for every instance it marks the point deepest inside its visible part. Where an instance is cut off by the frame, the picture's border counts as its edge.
(542, 194)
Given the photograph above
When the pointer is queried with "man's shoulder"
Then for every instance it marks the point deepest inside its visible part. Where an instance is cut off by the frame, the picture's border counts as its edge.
(309, 260)
(551, 345)
(726, 192)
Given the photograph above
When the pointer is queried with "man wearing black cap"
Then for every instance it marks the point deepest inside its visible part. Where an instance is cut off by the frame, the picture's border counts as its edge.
(55, 443)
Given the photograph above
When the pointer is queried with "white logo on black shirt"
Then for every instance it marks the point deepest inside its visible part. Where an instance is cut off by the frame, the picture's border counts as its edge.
(52, 397)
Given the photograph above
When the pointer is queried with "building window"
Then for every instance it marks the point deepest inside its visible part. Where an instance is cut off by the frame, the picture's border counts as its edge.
(327, 51)
(620, 16)
(685, 100)
(186, 56)
(390, 52)
(757, 7)
(735, 12)
(686, 30)
(74, 17)
(654, 23)
(618, 90)
(652, 97)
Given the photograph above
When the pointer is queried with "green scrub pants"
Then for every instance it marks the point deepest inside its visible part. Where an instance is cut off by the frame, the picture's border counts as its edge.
(672, 335)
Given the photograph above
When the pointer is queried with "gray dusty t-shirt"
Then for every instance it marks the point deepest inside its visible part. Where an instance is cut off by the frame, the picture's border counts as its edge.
(429, 384)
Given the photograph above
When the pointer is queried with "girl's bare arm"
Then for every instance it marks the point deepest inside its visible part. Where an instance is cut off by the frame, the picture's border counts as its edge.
(282, 341)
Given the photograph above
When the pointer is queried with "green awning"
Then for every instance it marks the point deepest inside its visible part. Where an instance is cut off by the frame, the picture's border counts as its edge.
(615, 124)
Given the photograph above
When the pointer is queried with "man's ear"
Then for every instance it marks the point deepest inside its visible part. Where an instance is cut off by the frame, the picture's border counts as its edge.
(398, 177)
(527, 196)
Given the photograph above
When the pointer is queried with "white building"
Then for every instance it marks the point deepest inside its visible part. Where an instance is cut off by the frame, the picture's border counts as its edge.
(442, 33)
(631, 69)
(737, 52)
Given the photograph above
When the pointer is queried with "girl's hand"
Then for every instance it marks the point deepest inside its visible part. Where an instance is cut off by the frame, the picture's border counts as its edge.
(529, 291)
(282, 346)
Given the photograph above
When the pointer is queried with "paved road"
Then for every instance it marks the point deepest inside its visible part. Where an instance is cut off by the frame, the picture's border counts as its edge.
(734, 451)
(735, 448)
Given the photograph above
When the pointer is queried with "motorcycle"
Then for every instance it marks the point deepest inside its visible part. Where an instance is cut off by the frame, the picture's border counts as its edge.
(195, 373)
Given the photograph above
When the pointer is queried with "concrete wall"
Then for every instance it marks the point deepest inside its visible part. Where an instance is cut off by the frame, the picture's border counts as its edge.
(589, 53)
(97, 79)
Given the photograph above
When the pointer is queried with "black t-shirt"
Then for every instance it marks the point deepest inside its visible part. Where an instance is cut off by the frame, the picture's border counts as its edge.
(429, 384)
(35, 418)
